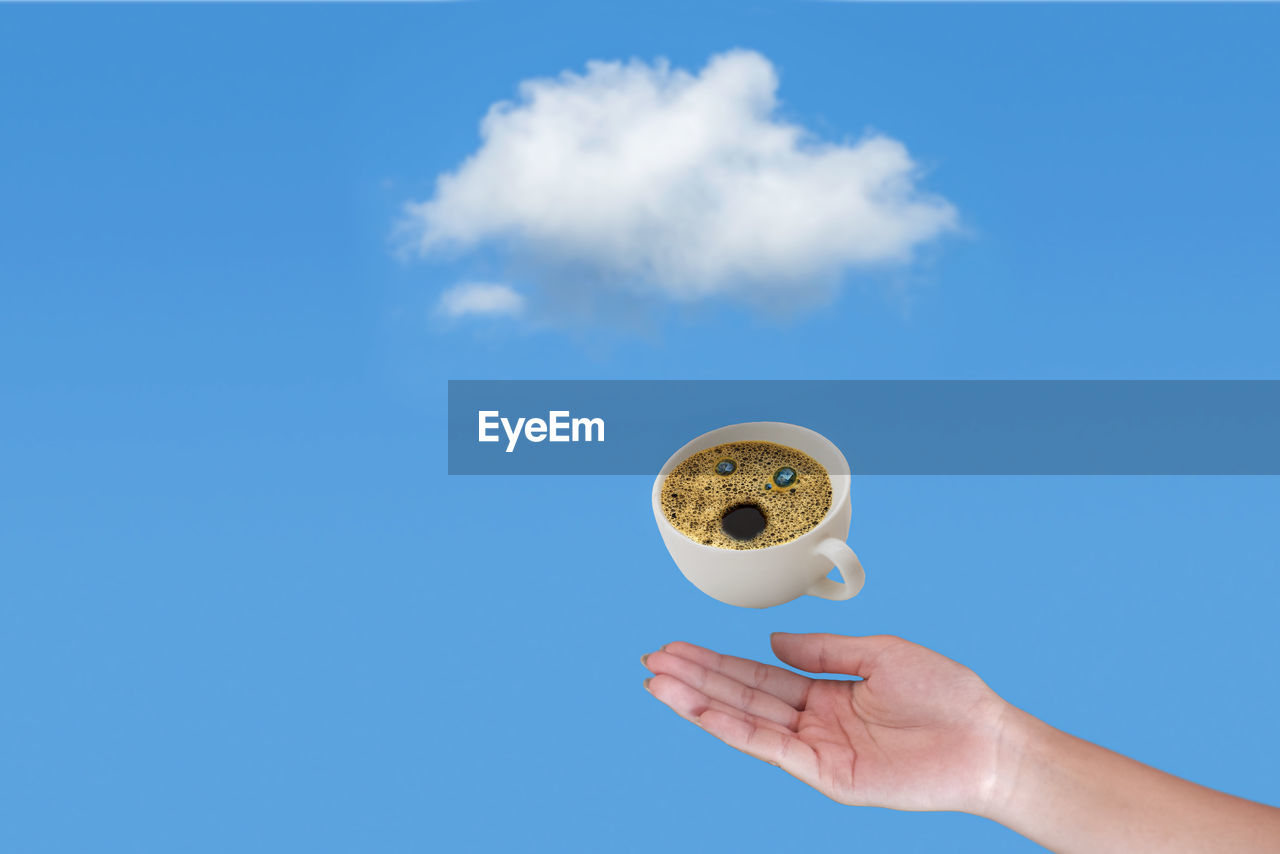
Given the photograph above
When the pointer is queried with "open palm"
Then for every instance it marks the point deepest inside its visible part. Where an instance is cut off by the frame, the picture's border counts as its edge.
(917, 732)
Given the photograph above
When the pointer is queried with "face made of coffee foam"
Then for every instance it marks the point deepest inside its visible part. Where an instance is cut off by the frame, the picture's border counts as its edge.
(709, 496)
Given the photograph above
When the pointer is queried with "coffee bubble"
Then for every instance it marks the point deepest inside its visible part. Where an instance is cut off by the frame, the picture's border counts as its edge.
(746, 495)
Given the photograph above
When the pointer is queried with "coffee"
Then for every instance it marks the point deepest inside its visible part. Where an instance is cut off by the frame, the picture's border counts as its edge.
(746, 495)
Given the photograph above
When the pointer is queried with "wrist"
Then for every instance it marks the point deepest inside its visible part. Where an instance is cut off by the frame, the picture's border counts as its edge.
(1017, 737)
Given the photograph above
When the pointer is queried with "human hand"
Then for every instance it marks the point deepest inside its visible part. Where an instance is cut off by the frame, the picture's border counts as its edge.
(918, 732)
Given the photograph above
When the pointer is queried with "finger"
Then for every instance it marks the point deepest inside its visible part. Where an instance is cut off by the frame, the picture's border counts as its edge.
(791, 688)
(777, 748)
(690, 703)
(826, 653)
(717, 686)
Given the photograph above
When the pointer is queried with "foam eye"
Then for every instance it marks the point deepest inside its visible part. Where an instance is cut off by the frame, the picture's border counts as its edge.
(784, 477)
(726, 467)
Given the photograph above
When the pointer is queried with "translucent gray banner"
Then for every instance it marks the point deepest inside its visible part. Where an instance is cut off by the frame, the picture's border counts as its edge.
(1136, 427)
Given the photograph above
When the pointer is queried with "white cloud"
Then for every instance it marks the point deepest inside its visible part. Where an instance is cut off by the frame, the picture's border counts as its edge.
(653, 180)
(480, 298)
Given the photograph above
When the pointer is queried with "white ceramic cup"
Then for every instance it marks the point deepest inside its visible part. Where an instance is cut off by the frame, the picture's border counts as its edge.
(759, 578)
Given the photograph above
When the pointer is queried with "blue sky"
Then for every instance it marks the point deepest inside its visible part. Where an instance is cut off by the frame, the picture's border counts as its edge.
(243, 607)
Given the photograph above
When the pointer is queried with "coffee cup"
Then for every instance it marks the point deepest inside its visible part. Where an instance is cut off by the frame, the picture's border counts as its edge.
(773, 574)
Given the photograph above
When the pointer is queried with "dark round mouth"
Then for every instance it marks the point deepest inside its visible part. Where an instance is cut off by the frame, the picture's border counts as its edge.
(743, 522)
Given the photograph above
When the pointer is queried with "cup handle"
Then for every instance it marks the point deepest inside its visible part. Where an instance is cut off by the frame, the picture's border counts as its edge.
(838, 552)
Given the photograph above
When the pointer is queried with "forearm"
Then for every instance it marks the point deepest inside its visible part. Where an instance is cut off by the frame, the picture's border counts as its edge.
(1073, 797)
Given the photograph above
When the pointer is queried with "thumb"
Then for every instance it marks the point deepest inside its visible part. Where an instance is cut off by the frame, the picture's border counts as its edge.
(826, 653)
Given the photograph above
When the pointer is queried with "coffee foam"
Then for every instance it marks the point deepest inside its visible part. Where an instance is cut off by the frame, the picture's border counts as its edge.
(695, 497)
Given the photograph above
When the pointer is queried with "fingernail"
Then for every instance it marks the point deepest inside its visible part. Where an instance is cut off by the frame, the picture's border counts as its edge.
(646, 684)
(645, 657)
